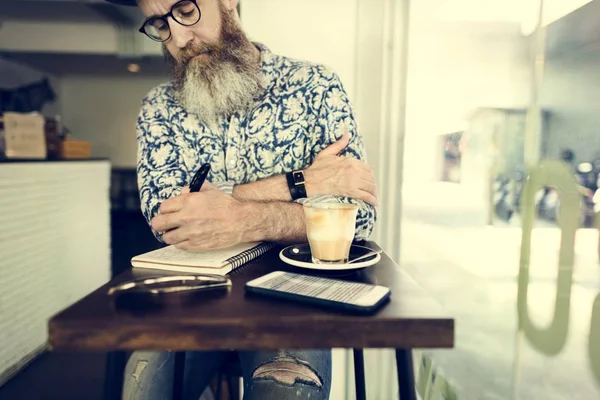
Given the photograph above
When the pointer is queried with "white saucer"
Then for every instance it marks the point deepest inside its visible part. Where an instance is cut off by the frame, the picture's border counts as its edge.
(299, 255)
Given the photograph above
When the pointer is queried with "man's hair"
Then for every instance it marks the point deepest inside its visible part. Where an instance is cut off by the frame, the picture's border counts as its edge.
(567, 155)
(132, 3)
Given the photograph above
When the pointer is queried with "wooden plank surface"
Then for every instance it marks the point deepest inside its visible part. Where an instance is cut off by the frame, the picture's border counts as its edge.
(236, 320)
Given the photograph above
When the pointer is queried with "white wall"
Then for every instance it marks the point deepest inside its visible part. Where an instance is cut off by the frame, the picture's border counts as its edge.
(104, 110)
(369, 78)
(313, 30)
(14, 75)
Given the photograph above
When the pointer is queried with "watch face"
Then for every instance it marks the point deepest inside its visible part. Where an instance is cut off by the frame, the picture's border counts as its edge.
(298, 177)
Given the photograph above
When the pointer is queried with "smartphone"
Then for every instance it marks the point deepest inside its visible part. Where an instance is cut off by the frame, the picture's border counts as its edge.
(331, 293)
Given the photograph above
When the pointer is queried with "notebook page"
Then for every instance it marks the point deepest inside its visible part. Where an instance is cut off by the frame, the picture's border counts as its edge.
(171, 255)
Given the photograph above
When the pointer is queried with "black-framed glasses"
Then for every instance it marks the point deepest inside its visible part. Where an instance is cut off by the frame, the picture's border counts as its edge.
(184, 12)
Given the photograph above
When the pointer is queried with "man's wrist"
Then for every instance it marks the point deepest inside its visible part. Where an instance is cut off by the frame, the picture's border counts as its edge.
(296, 184)
(271, 221)
(250, 216)
(270, 189)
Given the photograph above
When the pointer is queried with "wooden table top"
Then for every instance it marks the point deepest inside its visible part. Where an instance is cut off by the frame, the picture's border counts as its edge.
(235, 320)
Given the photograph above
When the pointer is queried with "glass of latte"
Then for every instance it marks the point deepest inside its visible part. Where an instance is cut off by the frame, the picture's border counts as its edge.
(330, 230)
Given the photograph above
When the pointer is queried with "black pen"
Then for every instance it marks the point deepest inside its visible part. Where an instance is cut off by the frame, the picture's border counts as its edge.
(199, 178)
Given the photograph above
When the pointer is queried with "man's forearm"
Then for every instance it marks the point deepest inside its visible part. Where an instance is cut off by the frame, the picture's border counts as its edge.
(273, 221)
(270, 189)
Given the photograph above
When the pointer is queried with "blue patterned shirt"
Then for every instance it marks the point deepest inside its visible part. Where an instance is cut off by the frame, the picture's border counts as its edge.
(303, 109)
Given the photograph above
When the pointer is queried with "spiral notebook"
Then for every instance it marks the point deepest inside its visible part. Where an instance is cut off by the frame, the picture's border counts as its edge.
(220, 262)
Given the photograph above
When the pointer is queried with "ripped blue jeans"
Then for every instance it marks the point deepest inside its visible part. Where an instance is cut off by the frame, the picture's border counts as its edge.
(280, 375)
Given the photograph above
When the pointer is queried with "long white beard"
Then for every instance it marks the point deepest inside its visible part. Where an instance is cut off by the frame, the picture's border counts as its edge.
(224, 92)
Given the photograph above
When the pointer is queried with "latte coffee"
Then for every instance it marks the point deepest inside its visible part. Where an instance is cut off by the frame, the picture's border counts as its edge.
(330, 229)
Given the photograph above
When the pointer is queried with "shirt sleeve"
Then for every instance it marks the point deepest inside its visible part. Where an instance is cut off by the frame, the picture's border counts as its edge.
(161, 167)
(226, 187)
(161, 171)
(335, 118)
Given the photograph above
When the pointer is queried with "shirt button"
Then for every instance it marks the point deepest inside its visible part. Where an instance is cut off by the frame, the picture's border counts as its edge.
(232, 156)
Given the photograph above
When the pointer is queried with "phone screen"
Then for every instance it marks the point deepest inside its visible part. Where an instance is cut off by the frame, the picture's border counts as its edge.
(360, 294)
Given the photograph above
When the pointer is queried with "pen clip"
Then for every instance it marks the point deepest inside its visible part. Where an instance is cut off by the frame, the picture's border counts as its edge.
(199, 177)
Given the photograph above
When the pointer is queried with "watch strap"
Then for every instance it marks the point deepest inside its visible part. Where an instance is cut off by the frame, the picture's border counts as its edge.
(295, 180)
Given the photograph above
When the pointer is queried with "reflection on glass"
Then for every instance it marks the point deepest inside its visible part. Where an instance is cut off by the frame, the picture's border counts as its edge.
(593, 342)
(498, 192)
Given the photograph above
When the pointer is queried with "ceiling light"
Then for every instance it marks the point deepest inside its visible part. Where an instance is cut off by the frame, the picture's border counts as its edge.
(133, 68)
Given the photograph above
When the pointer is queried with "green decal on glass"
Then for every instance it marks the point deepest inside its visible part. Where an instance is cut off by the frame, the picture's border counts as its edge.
(424, 377)
(557, 175)
(431, 384)
(594, 339)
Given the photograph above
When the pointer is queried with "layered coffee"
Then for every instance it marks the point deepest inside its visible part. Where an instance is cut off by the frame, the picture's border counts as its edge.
(330, 229)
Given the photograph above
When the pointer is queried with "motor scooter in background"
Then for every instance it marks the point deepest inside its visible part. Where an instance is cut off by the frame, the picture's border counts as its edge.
(596, 197)
(547, 200)
(586, 179)
(547, 204)
(518, 185)
(503, 199)
(596, 201)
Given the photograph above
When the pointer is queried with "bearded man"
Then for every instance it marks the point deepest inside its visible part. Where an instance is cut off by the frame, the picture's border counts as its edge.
(277, 132)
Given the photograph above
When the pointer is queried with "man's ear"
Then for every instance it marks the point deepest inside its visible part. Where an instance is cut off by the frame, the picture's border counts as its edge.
(230, 5)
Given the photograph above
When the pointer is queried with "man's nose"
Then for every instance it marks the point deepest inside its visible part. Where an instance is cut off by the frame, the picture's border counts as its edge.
(180, 35)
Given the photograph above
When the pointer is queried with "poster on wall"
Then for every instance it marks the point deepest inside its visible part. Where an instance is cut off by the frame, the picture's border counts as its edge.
(24, 136)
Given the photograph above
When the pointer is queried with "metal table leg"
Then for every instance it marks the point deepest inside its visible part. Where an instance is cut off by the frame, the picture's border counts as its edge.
(178, 375)
(359, 375)
(406, 374)
(113, 376)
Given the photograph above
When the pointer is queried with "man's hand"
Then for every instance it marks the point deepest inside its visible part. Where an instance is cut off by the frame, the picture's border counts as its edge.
(208, 219)
(340, 176)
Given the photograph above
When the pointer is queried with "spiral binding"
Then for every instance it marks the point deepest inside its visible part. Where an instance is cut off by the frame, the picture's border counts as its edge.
(244, 257)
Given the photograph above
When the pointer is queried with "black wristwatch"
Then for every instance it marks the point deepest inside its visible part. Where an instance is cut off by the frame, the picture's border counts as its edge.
(295, 182)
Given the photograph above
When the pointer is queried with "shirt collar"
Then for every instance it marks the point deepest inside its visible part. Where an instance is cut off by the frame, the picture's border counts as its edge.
(267, 64)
